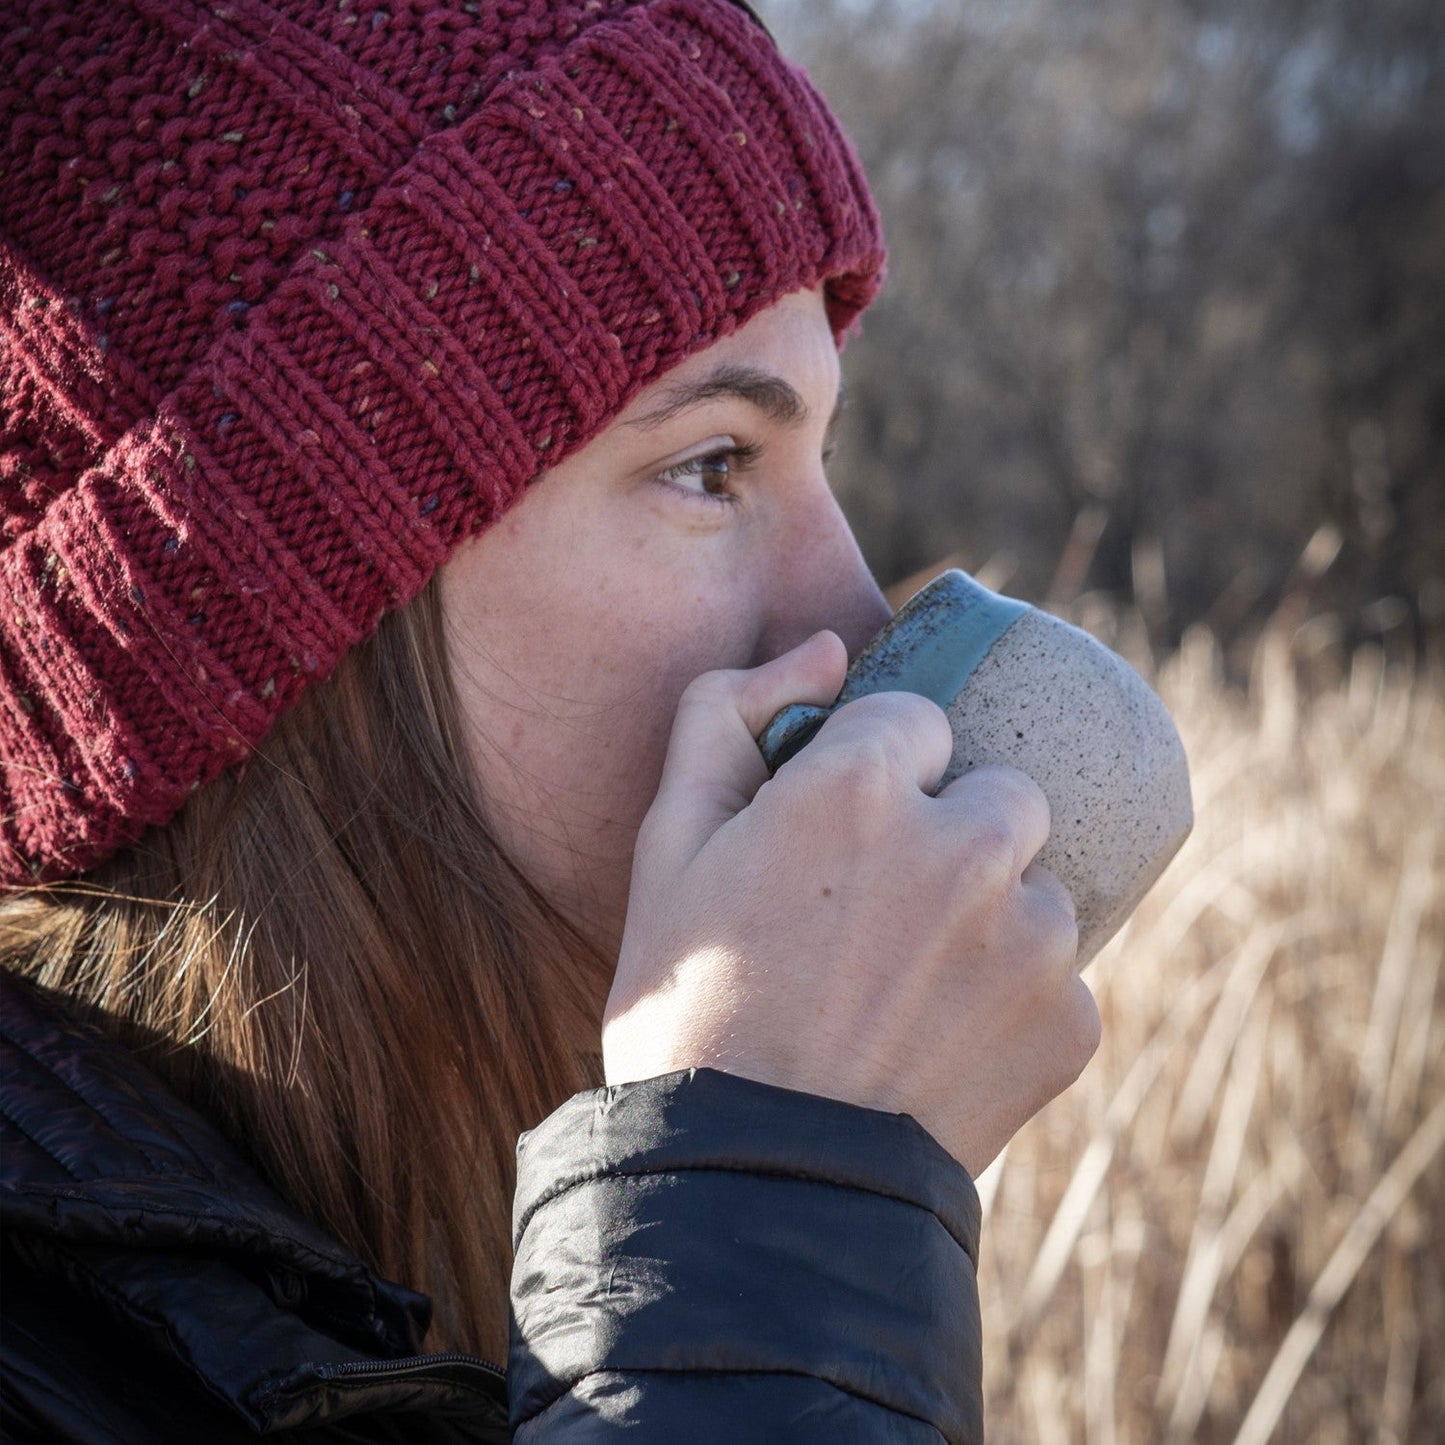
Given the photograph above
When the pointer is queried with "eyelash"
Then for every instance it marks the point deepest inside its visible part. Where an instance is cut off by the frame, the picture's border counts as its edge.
(737, 458)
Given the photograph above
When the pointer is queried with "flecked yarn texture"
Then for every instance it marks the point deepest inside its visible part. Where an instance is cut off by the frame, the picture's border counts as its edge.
(295, 297)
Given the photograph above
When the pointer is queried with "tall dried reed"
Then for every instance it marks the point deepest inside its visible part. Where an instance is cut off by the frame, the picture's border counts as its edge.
(1233, 1228)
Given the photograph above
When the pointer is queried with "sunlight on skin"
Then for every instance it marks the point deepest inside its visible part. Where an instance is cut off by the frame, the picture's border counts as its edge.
(697, 532)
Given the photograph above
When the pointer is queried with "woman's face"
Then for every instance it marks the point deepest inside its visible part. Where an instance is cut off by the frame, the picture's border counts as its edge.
(697, 532)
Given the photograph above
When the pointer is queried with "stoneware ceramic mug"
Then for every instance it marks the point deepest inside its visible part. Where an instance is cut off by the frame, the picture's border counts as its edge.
(1023, 687)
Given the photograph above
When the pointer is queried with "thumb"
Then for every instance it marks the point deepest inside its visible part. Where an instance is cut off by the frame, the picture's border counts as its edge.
(713, 764)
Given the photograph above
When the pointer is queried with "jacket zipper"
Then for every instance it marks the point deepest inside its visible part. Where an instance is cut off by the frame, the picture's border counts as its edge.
(411, 1365)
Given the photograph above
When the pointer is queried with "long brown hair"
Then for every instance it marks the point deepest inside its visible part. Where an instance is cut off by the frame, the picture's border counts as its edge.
(328, 954)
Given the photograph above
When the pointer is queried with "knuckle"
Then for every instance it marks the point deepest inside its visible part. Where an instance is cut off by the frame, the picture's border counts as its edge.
(987, 852)
(905, 719)
(1013, 782)
(858, 782)
(1010, 791)
(711, 689)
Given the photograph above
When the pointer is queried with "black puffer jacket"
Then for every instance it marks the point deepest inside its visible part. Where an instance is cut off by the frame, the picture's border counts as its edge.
(699, 1258)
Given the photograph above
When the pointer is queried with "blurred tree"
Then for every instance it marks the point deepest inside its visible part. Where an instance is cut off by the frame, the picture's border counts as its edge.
(1168, 279)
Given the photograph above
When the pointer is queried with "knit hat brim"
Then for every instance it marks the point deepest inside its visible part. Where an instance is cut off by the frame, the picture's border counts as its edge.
(609, 209)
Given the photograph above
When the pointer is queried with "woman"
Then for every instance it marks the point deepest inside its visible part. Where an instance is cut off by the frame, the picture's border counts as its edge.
(415, 508)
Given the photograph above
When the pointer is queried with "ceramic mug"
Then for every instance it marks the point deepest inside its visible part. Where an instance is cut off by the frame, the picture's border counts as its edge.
(1023, 687)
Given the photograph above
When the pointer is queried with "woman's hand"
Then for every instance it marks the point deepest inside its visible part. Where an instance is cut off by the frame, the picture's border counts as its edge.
(837, 930)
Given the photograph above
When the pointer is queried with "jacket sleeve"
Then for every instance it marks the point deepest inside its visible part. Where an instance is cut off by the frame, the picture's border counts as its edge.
(701, 1257)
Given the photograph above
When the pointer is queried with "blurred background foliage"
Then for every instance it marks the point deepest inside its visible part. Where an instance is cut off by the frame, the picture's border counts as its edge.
(1166, 311)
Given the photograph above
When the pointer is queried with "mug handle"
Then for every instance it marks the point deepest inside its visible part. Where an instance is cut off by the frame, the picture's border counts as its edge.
(930, 646)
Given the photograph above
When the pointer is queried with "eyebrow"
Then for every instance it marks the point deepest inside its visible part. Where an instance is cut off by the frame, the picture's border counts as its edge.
(777, 399)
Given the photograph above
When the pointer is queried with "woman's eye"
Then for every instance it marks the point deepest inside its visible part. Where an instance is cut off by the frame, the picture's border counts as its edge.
(711, 473)
(704, 474)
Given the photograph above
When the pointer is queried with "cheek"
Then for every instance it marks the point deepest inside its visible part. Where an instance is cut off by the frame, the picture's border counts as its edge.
(626, 687)
(587, 767)
(571, 641)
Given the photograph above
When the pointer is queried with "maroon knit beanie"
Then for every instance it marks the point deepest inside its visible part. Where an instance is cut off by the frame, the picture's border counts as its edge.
(296, 296)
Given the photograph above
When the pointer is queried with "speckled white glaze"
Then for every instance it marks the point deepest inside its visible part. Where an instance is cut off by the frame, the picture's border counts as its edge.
(1053, 702)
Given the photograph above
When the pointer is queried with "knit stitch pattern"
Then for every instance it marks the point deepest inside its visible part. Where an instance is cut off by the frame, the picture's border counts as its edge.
(295, 297)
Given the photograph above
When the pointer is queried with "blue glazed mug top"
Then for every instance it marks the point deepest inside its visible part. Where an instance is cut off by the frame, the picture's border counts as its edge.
(931, 646)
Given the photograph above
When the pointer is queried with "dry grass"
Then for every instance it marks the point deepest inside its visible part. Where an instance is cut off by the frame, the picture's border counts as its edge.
(1230, 1230)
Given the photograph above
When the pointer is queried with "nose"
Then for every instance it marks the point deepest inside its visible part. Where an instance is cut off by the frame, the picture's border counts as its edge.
(822, 578)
